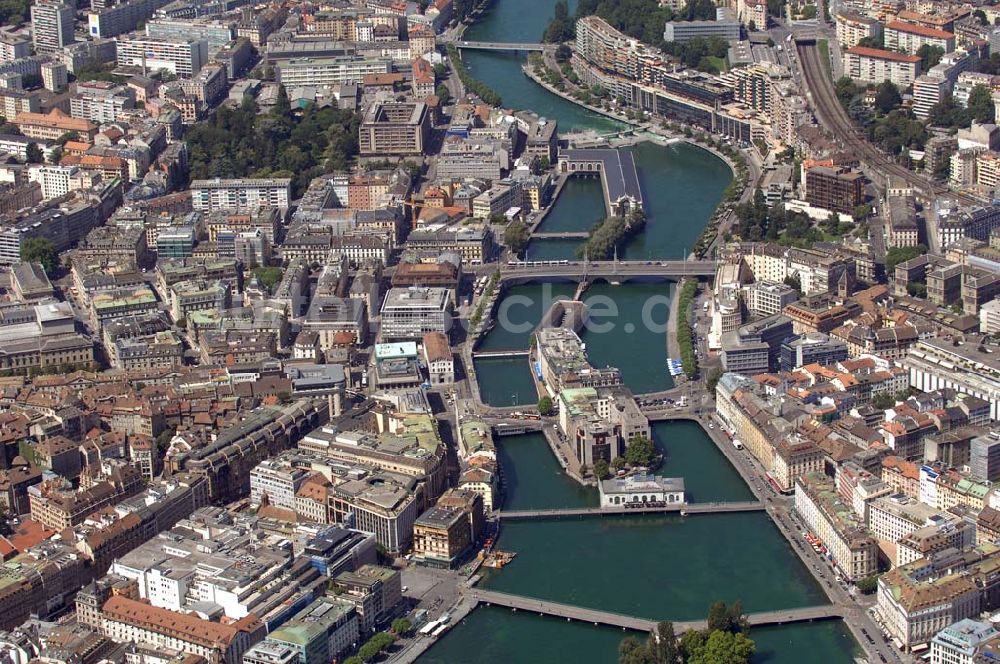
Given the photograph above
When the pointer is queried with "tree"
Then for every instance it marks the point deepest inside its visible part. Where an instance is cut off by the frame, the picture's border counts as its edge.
(442, 93)
(870, 42)
(633, 651)
(868, 585)
(640, 452)
(269, 277)
(980, 16)
(713, 378)
(401, 626)
(883, 401)
(929, 56)
(898, 255)
(516, 236)
(563, 53)
(33, 154)
(601, 469)
(163, 440)
(724, 648)
(282, 106)
(663, 643)
(560, 28)
(545, 406)
(40, 250)
(727, 618)
(618, 463)
(887, 97)
(540, 164)
(981, 105)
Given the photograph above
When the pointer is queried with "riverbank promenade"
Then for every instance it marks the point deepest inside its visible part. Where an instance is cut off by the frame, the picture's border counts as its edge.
(597, 617)
(683, 509)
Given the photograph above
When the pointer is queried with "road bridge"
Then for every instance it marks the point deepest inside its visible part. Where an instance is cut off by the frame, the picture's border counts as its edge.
(563, 235)
(676, 508)
(484, 354)
(598, 617)
(501, 46)
(614, 271)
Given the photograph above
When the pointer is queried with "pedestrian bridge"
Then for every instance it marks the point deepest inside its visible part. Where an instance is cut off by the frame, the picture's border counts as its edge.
(598, 617)
(676, 508)
(501, 46)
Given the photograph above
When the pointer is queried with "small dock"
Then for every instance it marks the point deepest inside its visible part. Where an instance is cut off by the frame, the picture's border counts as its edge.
(676, 508)
(598, 617)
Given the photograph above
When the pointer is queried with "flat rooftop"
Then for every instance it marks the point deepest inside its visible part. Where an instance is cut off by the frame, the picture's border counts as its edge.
(620, 174)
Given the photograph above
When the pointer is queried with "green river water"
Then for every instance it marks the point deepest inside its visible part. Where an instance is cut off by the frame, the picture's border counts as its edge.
(653, 566)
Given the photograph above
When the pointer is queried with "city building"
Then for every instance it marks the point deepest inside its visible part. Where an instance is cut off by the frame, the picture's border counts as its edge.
(241, 193)
(439, 358)
(908, 37)
(127, 620)
(852, 28)
(873, 65)
(395, 128)
(51, 25)
(839, 190)
(410, 313)
(182, 57)
(811, 348)
(641, 491)
(837, 525)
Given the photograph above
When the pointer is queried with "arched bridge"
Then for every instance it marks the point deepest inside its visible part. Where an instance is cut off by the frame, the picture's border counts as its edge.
(501, 46)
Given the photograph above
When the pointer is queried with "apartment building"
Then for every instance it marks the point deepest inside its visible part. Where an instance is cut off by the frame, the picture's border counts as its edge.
(916, 601)
(872, 65)
(240, 193)
(395, 128)
(181, 57)
(128, 620)
(839, 190)
(100, 101)
(111, 21)
(843, 532)
(852, 28)
(51, 25)
(909, 37)
(323, 71)
(53, 125)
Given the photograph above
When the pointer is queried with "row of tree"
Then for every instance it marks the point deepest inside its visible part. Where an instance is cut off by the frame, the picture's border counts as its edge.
(242, 142)
(609, 235)
(726, 640)
(685, 336)
(472, 84)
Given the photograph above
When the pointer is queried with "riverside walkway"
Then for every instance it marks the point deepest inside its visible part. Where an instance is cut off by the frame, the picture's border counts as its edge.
(598, 617)
(682, 508)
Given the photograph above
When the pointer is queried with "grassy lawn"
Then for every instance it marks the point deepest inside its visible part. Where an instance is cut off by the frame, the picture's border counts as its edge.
(718, 62)
(824, 49)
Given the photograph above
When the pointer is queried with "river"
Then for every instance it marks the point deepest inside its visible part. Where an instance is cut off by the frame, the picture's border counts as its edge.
(655, 566)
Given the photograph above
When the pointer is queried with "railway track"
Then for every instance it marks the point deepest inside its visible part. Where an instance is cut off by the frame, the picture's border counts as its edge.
(832, 116)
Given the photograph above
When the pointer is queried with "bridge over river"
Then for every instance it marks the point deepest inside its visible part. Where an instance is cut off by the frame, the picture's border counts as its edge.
(617, 271)
(570, 612)
(681, 508)
(502, 46)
